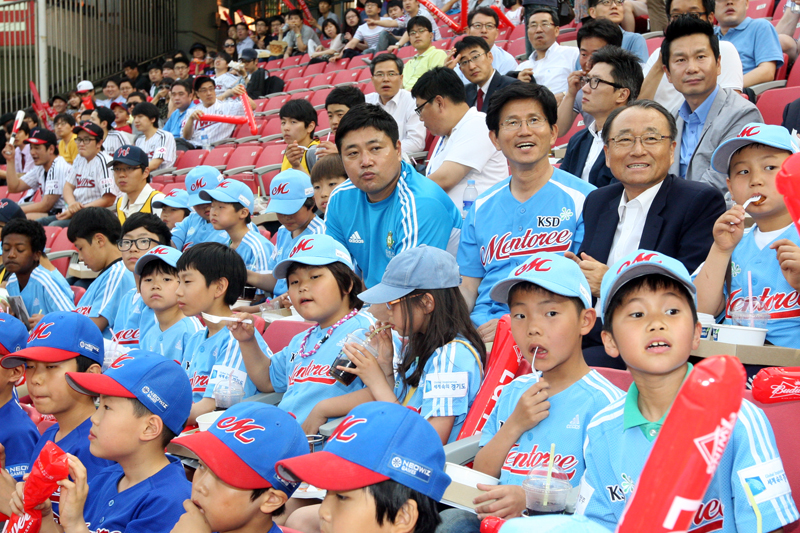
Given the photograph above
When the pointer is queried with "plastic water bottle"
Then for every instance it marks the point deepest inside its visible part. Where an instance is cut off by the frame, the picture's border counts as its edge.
(470, 194)
(204, 140)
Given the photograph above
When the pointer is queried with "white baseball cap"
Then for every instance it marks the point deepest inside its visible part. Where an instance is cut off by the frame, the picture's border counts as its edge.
(85, 86)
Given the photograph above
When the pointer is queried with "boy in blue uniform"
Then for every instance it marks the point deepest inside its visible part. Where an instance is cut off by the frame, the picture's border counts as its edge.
(537, 209)
(18, 433)
(649, 319)
(60, 343)
(212, 276)
(144, 402)
(196, 228)
(237, 470)
(551, 310)
(95, 231)
(768, 249)
(43, 290)
(158, 281)
(174, 207)
(231, 206)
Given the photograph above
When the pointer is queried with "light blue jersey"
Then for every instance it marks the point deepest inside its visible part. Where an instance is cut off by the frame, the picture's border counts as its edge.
(417, 212)
(194, 229)
(448, 385)
(132, 317)
(569, 415)
(500, 233)
(306, 380)
(615, 456)
(255, 250)
(773, 292)
(46, 292)
(284, 242)
(215, 358)
(105, 294)
(171, 343)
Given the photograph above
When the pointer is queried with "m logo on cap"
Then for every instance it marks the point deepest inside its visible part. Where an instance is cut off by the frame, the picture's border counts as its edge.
(223, 185)
(123, 152)
(641, 258)
(159, 250)
(199, 184)
(239, 427)
(173, 192)
(119, 361)
(302, 246)
(40, 332)
(340, 433)
(749, 132)
(3, 204)
(283, 188)
(537, 264)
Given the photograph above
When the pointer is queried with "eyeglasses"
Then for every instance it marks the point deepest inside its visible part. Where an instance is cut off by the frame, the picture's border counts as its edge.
(544, 25)
(472, 59)
(696, 14)
(648, 139)
(385, 75)
(594, 82)
(124, 169)
(513, 124)
(418, 110)
(609, 2)
(488, 26)
(393, 302)
(205, 90)
(84, 140)
(229, 45)
(420, 31)
(142, 244)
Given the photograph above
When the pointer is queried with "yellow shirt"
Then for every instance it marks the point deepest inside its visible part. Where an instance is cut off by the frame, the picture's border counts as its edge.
(285, 165)
(422, 63)
(68, 150)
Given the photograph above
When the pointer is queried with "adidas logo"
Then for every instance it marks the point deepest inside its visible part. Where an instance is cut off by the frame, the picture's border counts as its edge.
(355, 238)
(575, 423)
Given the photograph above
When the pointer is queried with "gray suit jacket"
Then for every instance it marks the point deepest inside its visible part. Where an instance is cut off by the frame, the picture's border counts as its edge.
(728, 114)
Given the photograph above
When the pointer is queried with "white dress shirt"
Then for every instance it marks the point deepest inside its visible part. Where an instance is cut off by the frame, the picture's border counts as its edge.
(632, 215)
(554, 68)
(401, 107)
(594, 151)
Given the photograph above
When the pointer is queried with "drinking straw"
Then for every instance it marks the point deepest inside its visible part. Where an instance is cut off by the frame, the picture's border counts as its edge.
(750, 295)
(754, 505)
(376, 331)
(549, 472)
(328, 138)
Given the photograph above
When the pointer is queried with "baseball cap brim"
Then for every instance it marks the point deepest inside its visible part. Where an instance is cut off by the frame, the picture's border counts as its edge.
(223, 461)
(142, 261)
(282, 268)
(637, 271)
(327, 471)
(125, 161)
(195, 200)
(721, 159)
(382, 293)
(169, 202)
(499, 292)
(37, 353)
(81, 127)
(97, 384)
(220, 195)
(33, 140)
(285, 207)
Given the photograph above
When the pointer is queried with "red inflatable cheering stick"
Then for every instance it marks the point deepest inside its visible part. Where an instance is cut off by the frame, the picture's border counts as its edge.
(49, 468)
(248, 112)
(788, 184)
(17, 123)
(777, 384)
(686, 454)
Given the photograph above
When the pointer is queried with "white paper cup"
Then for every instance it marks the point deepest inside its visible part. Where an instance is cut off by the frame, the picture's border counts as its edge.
(743, 335)
(205, 421)
(467, 476)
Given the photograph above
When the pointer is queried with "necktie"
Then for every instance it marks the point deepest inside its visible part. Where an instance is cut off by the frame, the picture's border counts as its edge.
(479, 103)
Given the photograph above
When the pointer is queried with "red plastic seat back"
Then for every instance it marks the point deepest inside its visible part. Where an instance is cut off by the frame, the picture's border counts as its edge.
(281, 332)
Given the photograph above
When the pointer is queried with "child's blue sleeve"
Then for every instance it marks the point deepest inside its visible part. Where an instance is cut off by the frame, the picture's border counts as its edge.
(277, 369)
(593, 500)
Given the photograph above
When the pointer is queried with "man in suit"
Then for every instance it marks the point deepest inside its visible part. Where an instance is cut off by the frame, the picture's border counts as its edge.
(258, 82)
(710, 114)
(614, 81)
(649, 207)
(476, 65)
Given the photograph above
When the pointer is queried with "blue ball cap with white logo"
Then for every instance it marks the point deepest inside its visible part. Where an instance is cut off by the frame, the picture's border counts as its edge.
(231, 192)
(158, 382)
(314, 250)
(422, 267)
(375, 442)
(60, 336)
(552, 524)
(550, 271)
(755, 132)
(177, 198)
(13, 334)
(201, 178)
(168, 254)
(245, 442)
(637, 264)
(289, 191)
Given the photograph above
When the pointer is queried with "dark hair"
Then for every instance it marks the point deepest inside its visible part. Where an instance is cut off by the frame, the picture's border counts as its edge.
(708, 6)
(528, 287)
(138, 94)
(224, 55)
(153, 66)
(378, 3)
(349, 95)
(368, 116)
(215, 261)
(390, 497)
(126, 80)
(90, 221)
(33, 117)
(350, 285)
(149, 110)
(544, 9)
(335, 24)
(643, 104)
(449, 319)
(257, 493)
(64, 117)
(278, 18)
(382, 58)
(420, 21)
(684, 26)
(180, 59)
(131, 63)
(521, 91)
(391, 4)
(149, 222)
(601, 29)
(345, 26)
(440, 81)
(486, 11)
(113, 79)
(84, 363)
(140, 411)
(652, 282)
(299, 109)
(469, 42)
(157, 265)
(265, 21)
(238, 207)
(29, 228)
(242, 24)
(625, 68)
(86, 113)
(23, 127)
(328, 167)
(294, 13)
(105, 114)
(186, 84)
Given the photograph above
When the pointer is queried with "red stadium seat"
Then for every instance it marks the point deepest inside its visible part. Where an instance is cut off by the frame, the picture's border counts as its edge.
(265, 180)
(272, 127)
(274, 103)
(772, 103)
(516, 47)
(190, 159)
(338, 65)
(301, 93)
(292, 61)
(243, 159)
(322, 80)
(247, 178)
(519, 32)
(780, 73)
(319, 97)
(265, 232)
(322, 120)
(622, 379)
(365, 75)
(654, 43)
(77, 293)
(51, 232)
(367, 88)
(164, 178)
(576, 127)
(347, 77)
(281, 332)
(294, 72)
(315, 68)
(406, 51)
(169, 186)
(297, 84)
(793, 79)
(157, 186)
(759, 8)
(3, 191)
(62, 244)
(442, 44)
(218, 157)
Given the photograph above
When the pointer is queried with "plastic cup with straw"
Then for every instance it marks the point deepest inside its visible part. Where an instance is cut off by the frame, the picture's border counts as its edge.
(549, 472)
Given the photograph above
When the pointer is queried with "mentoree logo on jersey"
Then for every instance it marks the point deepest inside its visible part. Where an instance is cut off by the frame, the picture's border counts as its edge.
(126, 336)
(522, 462)
(502, 248)
(312, 373)
(778, 305)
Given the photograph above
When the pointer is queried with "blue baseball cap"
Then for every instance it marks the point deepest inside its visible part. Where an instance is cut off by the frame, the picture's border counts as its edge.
(168, 254)
(13, 334)
(554, 523)
(376, 442)
(199, 179)
(550, 271)
(9, 210)
(230, 191)
(755, 132)
(289, 191)
(158, 382)
(423, 267)
(637, 264)
(177, 198)
(245, 442)
(60, 336)
(314, 250)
